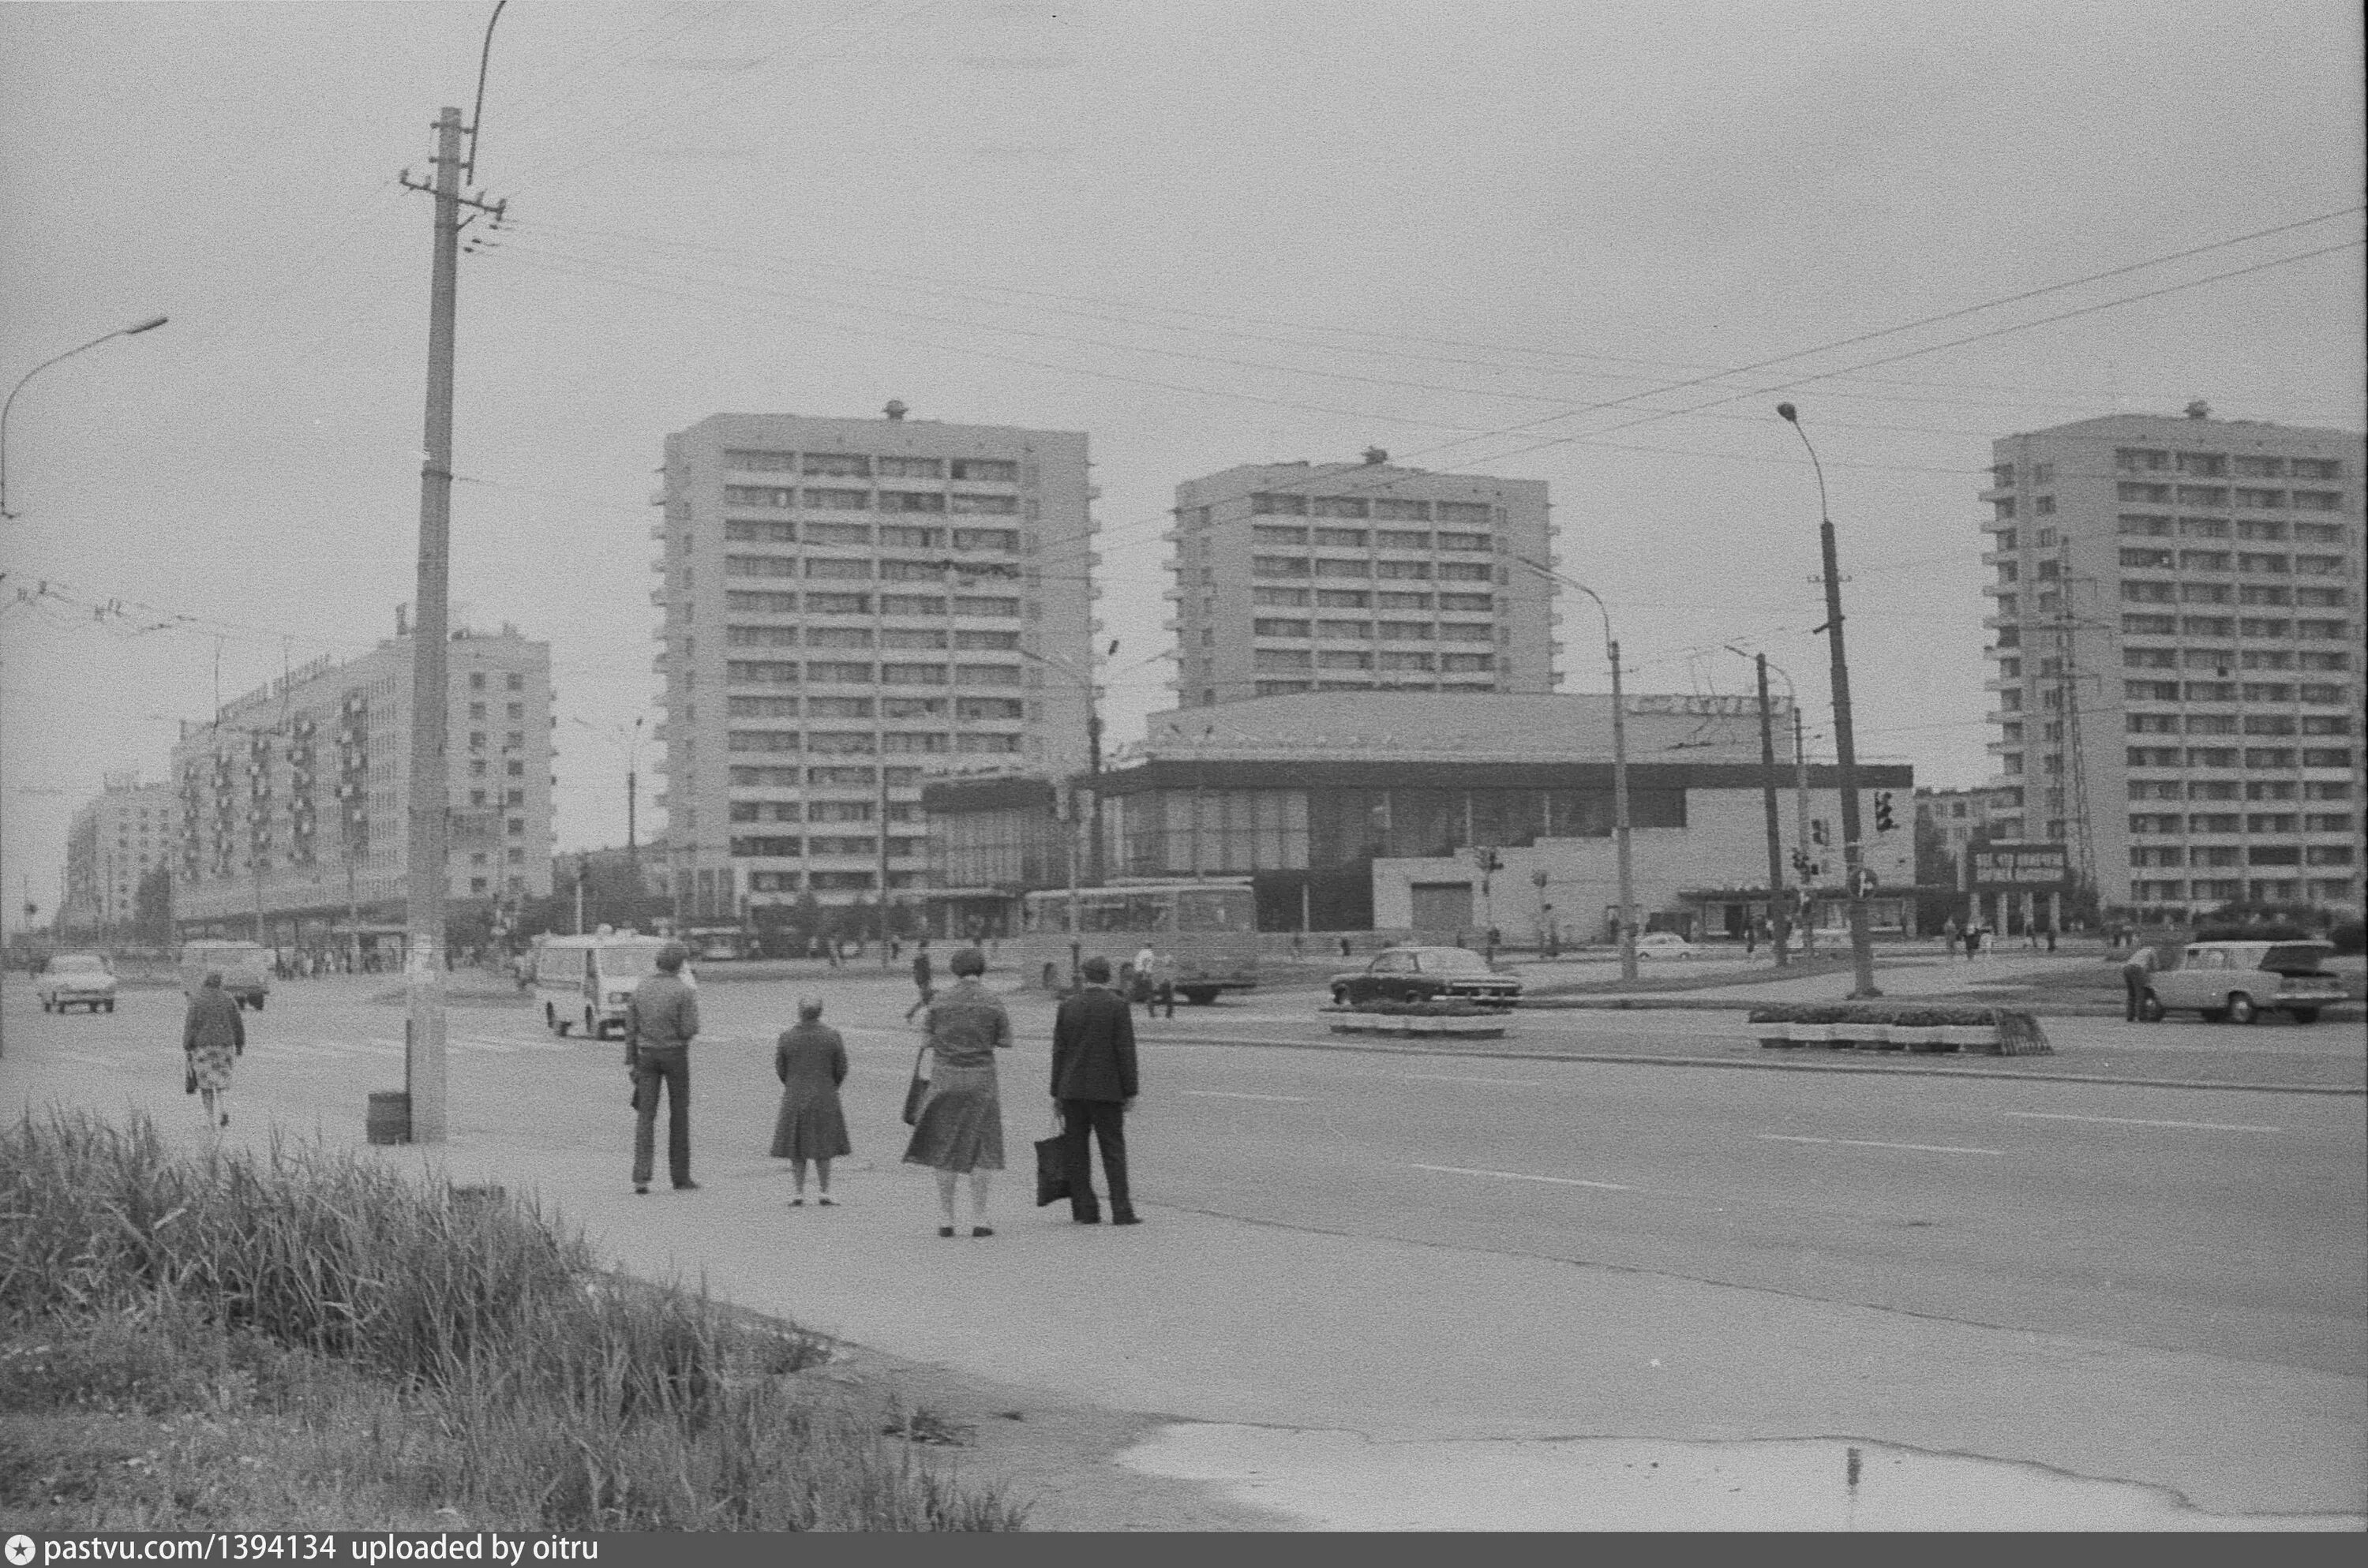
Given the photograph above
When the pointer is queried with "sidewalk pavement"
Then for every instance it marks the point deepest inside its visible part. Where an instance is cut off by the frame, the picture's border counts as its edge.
(1201, 1318)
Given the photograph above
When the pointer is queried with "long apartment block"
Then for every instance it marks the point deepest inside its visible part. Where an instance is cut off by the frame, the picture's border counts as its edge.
(848, 605)
(1300, 576)
(294, 798)
(2176, 631)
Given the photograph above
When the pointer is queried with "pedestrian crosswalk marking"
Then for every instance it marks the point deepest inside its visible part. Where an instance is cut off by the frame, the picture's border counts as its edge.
(1237, 1094)
(1525, 1176)
(1871, 1144)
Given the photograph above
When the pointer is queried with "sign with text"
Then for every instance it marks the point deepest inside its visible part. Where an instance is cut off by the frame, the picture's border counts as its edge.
(2022, 868)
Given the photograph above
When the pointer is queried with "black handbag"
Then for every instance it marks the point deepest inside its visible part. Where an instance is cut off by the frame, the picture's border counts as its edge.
(917, 1090)
(189, 1074)
(1051, 1171)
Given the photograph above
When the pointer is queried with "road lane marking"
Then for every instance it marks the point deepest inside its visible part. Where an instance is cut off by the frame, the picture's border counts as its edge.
(2141, 1121)
(1524, 1175)
(1869, 1144)
(1237, 1094)
(1461, 1078)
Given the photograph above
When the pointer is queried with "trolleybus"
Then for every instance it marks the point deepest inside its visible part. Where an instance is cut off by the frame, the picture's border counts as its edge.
(1204, 932)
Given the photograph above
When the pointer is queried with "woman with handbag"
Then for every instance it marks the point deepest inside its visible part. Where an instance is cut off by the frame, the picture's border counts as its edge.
(213, 1035)
(957, 1114)
(811, 1061)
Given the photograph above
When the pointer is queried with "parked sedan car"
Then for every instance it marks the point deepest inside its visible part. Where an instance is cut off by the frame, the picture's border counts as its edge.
(2238, 981)
(1424, 974)
(1664, 945)
(72, 978)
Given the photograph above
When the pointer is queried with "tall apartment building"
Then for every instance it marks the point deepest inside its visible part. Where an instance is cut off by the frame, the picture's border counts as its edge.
(114, 841)
(296, 795)
(1358, 577)
(849, 604)
(2176, 628)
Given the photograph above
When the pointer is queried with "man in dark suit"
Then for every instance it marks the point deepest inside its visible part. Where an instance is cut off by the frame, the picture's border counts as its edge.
(1093, 1087)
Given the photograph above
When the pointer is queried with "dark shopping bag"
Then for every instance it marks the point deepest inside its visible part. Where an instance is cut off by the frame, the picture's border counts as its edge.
(1051, 1171)
(917, 1090)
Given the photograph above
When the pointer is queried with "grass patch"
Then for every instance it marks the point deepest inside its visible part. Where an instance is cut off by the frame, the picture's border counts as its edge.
(299, 1339)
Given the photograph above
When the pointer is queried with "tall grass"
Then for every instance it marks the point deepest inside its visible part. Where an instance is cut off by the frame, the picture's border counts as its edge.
(520, 1386)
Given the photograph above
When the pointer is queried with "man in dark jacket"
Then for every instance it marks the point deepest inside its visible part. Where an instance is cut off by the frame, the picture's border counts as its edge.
(659, 1023)
(1093, 1087)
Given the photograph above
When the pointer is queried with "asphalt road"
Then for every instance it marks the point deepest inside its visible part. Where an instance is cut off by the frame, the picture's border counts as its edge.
(2229, 1224)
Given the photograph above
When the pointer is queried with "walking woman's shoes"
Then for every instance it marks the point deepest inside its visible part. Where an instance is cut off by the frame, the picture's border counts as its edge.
(827, 1201)
(982, 1230)
(945, 1230)
(797, 1202)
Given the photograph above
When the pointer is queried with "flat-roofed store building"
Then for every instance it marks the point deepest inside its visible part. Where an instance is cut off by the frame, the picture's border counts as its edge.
(296, 795)
(848, 603)
(1363, 813)
(2176, 630)
(1295, 577)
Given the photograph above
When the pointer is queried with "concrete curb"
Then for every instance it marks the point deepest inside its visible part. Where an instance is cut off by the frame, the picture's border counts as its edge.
(1859, 1068)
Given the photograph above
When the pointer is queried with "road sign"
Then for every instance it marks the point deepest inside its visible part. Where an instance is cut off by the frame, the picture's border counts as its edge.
(1863, 883)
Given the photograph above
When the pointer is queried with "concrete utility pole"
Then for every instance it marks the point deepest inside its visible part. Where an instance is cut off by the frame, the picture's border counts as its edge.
(1845, 751)
(430, 776)
(1776, 915)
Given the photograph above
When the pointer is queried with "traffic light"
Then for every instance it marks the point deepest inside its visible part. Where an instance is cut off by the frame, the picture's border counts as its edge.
(1488, 860)
(1817, 833)
(1884, 821)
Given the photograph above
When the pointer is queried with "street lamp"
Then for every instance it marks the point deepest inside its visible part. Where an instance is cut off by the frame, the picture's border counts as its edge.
(151, 324)
(1618, 770)
(1845, 750)
(1763, 663)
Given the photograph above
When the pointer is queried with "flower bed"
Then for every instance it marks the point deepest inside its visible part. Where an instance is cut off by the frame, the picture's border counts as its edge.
(1886, 1026)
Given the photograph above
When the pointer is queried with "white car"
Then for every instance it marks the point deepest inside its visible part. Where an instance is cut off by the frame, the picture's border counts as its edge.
(1664, 945)
(72, 978)
(2238, 981)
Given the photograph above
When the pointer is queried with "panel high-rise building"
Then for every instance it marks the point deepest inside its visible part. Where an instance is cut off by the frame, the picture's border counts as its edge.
(849, 604)
(115, 841)
(1360, 577)
(2176, 631)
(294, 798)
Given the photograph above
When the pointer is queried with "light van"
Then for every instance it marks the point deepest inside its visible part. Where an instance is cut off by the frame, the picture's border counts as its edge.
(245, 970)
(589, 980)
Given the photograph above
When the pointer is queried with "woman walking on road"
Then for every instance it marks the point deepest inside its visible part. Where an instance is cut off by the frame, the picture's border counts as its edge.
(960, 1128)
(213, 1035)
(811, 1061)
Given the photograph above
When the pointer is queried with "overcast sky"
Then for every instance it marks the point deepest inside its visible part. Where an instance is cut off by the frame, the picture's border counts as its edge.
(1492, 238)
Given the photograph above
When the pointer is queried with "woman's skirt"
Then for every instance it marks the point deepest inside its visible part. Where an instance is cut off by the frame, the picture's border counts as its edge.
(212, 1065)
(960, 1127)
(811, 1125)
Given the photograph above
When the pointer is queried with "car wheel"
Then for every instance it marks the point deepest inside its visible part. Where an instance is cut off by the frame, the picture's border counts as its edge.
(110, 1006)
(259, 1004)
(552, 1021)
(1339, 996)
(45, 1004)
(2304, 1015)
(2151, 1008)
(2241, 1009)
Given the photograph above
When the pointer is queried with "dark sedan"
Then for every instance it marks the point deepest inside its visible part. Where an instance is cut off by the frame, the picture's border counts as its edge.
(1424, 974)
